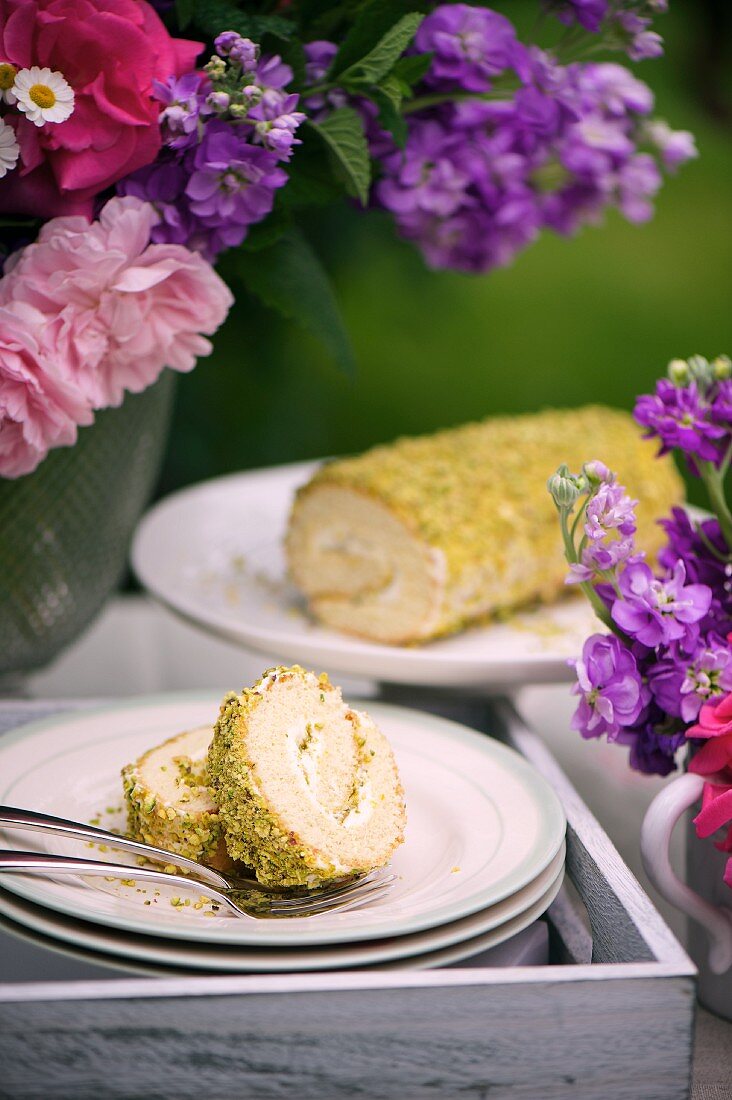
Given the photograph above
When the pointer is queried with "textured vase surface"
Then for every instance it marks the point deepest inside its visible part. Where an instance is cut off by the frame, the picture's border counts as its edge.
(65, 529)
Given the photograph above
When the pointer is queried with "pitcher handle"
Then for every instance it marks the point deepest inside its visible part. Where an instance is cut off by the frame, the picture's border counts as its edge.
(658, 825)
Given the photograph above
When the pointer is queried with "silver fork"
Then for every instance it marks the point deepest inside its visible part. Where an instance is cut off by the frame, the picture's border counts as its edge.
(252, 894)
(245, 903)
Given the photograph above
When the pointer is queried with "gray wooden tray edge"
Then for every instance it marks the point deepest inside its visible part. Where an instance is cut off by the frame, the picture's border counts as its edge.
(618, 1026)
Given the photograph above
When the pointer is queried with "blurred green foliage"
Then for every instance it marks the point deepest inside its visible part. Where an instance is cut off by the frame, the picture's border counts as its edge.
(591, 319)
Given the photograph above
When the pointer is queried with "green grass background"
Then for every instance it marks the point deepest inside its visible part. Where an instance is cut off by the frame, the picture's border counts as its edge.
(589, 319)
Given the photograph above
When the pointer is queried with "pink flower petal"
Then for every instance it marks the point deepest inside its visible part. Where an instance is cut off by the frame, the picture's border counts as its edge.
(716, 810)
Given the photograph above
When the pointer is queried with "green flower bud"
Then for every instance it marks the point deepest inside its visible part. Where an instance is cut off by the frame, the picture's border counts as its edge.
(678, 372)
(564, 487)
(215, 67)
(701, 371)
(722, 367)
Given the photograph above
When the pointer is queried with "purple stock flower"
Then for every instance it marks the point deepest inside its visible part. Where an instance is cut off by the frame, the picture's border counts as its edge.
(611, 690)
(471, 46)
(681, 417)
(610, 509)
(318, 59)
(602, 557)
(656, 611)
(674, 146)
(615, 90)
(653, 746)
(276, 121)
(703, 565)
(243, 50)
(588, 13)
(681, 683)
(232, 180)
(722, 404)
(429, 178)
(183, 98)
(641, 44)
(224, 138)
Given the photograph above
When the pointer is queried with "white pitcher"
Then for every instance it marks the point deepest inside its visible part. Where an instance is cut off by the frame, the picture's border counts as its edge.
(704, 896)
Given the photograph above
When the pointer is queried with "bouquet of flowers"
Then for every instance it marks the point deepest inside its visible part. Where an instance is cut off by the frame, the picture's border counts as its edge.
(132, 158)
(661, 677)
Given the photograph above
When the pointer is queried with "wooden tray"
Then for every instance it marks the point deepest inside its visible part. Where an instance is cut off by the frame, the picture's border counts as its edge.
(610, 1019)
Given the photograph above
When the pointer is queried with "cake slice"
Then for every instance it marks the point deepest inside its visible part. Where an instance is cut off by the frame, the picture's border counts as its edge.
(307, 787)
(169, 802)
(424, 536)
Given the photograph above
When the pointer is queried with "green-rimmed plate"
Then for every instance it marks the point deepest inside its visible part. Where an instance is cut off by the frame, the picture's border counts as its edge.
(482, 824)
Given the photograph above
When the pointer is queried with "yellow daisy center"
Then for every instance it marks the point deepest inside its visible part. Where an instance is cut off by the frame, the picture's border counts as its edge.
(43, 96)
(7, 76)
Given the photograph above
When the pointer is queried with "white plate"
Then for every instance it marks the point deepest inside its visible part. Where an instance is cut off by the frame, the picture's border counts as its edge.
(213, 554)
(482, 824)
(434, 947)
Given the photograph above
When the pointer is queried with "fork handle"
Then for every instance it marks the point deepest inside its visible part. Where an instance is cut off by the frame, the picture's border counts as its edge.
(42, 863)
(13, 818)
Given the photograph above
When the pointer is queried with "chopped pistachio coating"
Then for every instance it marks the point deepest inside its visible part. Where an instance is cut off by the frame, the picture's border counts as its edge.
(475, 499)
(255, 829)
(170, 806)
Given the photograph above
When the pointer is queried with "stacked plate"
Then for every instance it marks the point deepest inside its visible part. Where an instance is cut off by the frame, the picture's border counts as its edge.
(213, 554)
(483, 856)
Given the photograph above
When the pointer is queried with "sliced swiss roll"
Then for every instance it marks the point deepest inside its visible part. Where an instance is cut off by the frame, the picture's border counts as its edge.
(426, 535)
(169, 802)
(307, 787)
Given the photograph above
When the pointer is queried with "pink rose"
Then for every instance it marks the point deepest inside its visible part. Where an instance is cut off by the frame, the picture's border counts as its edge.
(39, 409)
(120, 308)
(109, 51)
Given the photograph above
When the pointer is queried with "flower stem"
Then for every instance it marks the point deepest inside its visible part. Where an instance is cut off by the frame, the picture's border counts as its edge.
(570, 553)
(714, 482)
(419, 103)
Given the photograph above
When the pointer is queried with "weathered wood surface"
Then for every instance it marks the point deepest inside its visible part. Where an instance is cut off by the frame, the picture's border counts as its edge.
(537, 1040)
(619, 1028)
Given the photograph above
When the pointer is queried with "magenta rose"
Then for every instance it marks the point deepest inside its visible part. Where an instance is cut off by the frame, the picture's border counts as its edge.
(109, 51)
(39, 408)
(715, 726)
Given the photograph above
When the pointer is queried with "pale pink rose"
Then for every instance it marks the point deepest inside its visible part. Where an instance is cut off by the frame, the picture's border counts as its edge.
(121, 308)
(38, 408)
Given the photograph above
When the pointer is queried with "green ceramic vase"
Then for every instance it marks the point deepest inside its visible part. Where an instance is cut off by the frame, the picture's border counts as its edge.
(65, 529)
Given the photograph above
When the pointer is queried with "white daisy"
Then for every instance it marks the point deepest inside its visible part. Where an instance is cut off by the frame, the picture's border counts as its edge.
(7, 80)
(9, 149)
(43, 96)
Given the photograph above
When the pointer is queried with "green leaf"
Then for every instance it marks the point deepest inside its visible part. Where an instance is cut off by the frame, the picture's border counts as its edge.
(377, 63)
(342, 132)
(325, 19)
(388, 98)
(265, 233)
(215, 16)
(373, 22)
(411, 69)
(311, 182)
(289, 277)
(184, 10)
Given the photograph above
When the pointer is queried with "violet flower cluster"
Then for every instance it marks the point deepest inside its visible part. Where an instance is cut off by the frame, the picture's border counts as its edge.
(226, 134)
(503, 141)
(627, 26)
(668, 651)
(691, 411)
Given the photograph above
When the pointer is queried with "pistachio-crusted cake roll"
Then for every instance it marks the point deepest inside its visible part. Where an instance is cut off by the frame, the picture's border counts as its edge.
(307, 787)
(169, 802)
(424, 536)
